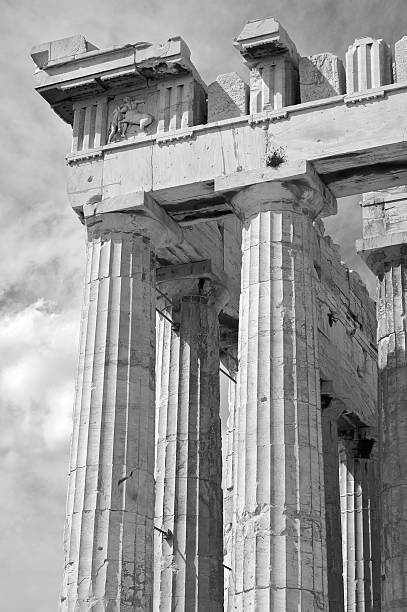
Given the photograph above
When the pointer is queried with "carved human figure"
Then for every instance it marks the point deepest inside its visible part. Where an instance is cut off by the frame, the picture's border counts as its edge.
(126, 114)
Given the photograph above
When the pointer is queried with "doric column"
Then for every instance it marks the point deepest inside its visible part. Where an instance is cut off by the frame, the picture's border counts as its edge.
(372, 527)
(359, 520)
(349, 525)
(279, 556)
(331, 410)
(384, 248)
(229, 363)
(189, 575)
(167, 370)
(110, 507)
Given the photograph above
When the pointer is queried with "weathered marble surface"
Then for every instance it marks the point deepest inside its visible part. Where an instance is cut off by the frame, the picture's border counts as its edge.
(278, 552)
(400, 60)
(330, 416)
(188, 564)
(63, 49)
(368, 64)
(228, 96)
(110, 508)
(321, 76)
(384, 248)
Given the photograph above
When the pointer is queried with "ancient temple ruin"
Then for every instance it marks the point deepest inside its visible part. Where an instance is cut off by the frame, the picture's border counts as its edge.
(206, 253)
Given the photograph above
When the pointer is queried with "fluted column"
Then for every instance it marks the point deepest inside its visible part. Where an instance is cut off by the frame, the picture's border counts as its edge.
(391, 309)
(166, 415)
(384, 248)
(189, 471)
(110, 507)
(229, 458)
(331, 410)
(279, 556)
(373, 524)
(359, 522)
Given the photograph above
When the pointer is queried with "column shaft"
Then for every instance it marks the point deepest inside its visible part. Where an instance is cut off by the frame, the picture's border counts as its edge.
(374, 529)
(189, 494)
(279, 558)
(350, 535)
(108, 535)
(360, 540)
(229, 479)
(343, 470)
(332, 506)
(391, 311)
(167, 374)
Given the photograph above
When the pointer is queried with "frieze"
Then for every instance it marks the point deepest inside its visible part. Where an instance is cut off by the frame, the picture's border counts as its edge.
(127, 113)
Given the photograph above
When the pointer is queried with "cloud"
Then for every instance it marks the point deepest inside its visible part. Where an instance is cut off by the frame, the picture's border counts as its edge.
(37, 367)
(34, 384)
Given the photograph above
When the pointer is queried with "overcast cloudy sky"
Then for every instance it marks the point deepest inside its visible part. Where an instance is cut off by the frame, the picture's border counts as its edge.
(42, 248)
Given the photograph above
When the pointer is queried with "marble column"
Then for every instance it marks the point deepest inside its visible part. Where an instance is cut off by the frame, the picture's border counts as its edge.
(343, 487)
(279, 545)
(110, 506)
(373, 529)
(229, 453)
(189, 460)
(359, 522)
(391, 310)
(331, 410)
(384, 248)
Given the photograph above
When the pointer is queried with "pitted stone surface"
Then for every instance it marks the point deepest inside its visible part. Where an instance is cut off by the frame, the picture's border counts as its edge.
(188, 564)
(228, 97)
(321, 76)
(400, 60)
(62, 49)
(384, 248)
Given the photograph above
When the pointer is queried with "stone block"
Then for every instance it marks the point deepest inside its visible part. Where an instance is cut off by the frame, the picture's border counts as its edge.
(321, 76)
(400, 60)
(273, 61)
(368, 64)
(54, 50)
(228, 97)
(273, 84)
(261, 37)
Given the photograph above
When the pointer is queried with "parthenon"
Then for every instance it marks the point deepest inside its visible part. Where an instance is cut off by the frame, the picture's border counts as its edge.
(202, 208)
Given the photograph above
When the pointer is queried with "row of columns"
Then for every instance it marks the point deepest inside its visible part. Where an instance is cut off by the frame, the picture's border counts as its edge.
(276, 514)
(360, 533)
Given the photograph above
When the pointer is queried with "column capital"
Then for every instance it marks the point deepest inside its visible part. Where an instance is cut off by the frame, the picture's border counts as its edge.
(194, 279)
(380, 252)
(292, 186)
(133, 213)
(384, 241)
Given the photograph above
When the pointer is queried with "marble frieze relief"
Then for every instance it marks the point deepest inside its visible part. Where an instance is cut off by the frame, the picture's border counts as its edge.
(131, 116)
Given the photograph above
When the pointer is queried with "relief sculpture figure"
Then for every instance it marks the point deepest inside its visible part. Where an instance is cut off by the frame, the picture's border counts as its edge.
(126, 114)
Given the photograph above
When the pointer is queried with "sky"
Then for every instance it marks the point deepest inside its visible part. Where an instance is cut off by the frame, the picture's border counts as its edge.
(42, 243)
